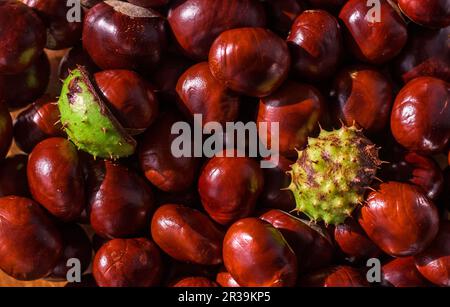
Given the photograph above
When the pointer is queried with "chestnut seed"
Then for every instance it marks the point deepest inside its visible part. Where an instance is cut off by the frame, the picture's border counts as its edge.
(401, 272)
(338, 276)
(428, 13)
(6, 131)
(75, 57)
(197, 282)
(13, 176)
(224, 279)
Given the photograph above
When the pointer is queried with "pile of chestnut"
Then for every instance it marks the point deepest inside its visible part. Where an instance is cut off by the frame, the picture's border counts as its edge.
(152, 219)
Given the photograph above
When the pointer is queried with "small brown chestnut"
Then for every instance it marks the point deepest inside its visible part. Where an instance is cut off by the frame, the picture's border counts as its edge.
(401, 272)
(224, 279)
(196, 282)
(13, 176)
(428, 13)
(6, 131)
(339, 276)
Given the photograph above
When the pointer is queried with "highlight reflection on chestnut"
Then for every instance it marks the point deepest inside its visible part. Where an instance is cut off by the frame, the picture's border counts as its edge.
(430, 13)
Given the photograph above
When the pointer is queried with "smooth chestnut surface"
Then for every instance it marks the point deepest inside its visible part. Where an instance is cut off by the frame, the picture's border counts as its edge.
(22, 37)
(6, 131)
(130, 98)
(224, 279)
(36, 123)
(312, 247)
(201, 93)
(197, 23)
(316, 45)
(195, 282)
(30, 244)
(121, 202)
(120, 35)
(160, 166)
(399, 219)
(297, 108)
(420, 115)
(282, 13)
(434, 262)
(75, 56)
(251, 61)
(401, 272)
(339, 276)
(256, 255)
(227, 194)
(13, 176)
(370, 40)
(428, 13)
(56, 179)
(187, 235)
(127, 263)
(362, 96)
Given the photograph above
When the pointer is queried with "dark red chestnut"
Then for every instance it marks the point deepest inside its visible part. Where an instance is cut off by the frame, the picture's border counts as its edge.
(130, 98)
(121, 203)
(6, 131)
(30, 243)
(201, 93)
(316, 45)
(257, 255)
(187, 235)
(362, 96)
(339, 276)
(196, 282)
(434, 262)
(420, 116)
(312, 247)
(297, 108)
(399, 219)
(149, 3)
(282, 13)
(229, 187)
(13, 176)
(224, 279)
(401, 272)
(120, 35)
(197, 23)
(371, 37)
(22, 37)
(127, 263)
(74, 57)
(428, 13)
(251, 61)
(56, 179)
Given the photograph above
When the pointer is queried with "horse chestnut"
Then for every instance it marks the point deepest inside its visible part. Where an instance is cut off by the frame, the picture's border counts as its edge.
(339, 276)
(282, 13)
(149, 3)
(401, 272)
(224, 279)
(196, 282)
(428, 13)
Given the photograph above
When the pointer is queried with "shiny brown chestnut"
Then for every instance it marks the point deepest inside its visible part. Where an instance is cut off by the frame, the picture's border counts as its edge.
(30, 243)
(196, 282)
(401, 272)
(400, 219)
(420, 115)
(22, 37)
(130, 98)
(224, 279)
(256, 255)
(127, 263)
(149, 3)
(74, 57)
(121, 202)
(55, 178)
(312, 247)
(297, 107)
(362, 96)
(36, 123)
(201, 93)
(282, 13)
(226, 193)
(316, 45)
(434, 262)
(338, 276)
(13, 176)
(251, 61)
(200, 241)
(6, 131)
(120, 35)
(197, 23)
(371, 37)
(428, 13)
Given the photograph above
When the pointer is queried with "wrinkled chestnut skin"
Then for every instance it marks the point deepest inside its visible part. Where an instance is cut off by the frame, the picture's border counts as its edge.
(434, 262)
(76, 244)
(56, 179)
(13, 176)
(339, 276)
(362, 96)
(373, 42)
(6, 131)
(420, 115)
(127, 263)
(30, 244)
(316, 45)
(74, 57)
(130, 98)
(197, 23)
(399, 219)
(19, 47)
(121, 203)
(187, 235)
(297, 107)
(161, 168)
(428, 13)
(224, 279)
(354, 243)
(256, 62)
(201, 93)
(36, 123)
(282, 13)
(401, 272)
(60, 32)
(256, 255)
(115, 40)
(149, 3)
(196, 282)
(229, 187)
(312, 248)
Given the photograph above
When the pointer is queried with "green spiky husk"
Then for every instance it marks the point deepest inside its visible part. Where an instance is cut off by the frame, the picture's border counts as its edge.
(332, 174)
(88, 122)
